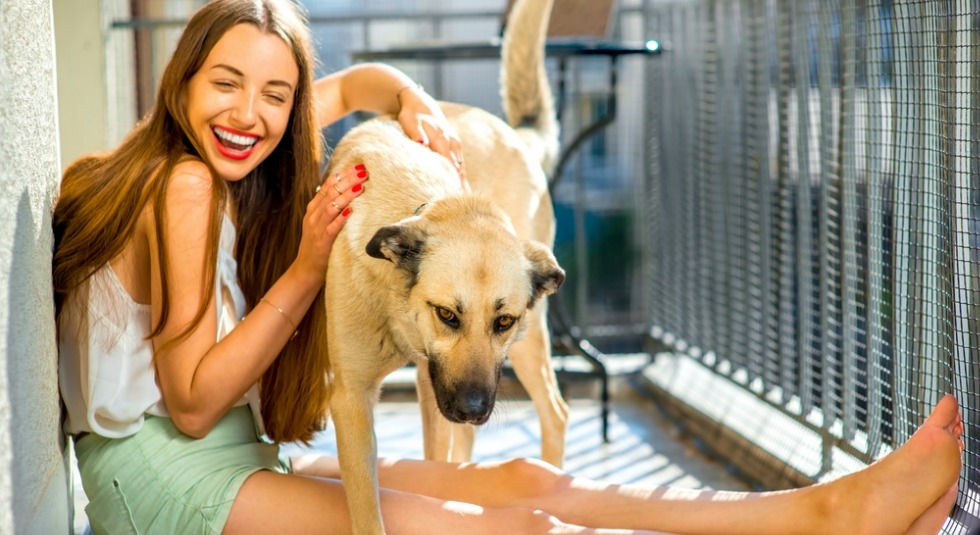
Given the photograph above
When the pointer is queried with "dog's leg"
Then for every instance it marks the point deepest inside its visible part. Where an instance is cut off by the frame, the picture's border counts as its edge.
(531, 359)
(463, 437)
(437, 433)
(442, 439)
(352, 409)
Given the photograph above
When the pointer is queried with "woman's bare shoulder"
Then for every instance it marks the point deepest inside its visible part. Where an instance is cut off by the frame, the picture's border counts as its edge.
(190, 178)
(187, 201)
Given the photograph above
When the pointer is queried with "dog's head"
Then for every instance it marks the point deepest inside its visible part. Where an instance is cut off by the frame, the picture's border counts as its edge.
(467, 284)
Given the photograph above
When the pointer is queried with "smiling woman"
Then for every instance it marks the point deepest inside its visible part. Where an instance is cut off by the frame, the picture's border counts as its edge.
(239, 101)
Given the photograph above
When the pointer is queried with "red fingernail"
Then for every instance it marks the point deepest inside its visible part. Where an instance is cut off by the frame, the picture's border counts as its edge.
(361, 174)
(359, 167)
(357, 188)
(346, 212)
(422, 141)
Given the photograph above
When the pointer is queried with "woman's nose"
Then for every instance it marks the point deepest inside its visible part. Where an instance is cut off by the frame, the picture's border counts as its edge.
(243, 113)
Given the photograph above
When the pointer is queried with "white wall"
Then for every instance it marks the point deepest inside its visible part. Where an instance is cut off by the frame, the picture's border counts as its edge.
(93, 115)
(34, 493)
(81, 74)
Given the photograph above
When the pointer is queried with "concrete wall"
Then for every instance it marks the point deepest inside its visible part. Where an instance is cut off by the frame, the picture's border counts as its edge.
(34, 489)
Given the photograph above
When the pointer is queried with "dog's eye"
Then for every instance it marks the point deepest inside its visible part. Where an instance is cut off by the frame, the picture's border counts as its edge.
(503, 323)
(447, 317)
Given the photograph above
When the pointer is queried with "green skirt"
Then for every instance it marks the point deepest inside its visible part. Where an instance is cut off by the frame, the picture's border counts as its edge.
(162, 481)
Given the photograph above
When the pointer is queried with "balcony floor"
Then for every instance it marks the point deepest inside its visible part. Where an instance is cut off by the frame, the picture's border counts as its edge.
(644, 447)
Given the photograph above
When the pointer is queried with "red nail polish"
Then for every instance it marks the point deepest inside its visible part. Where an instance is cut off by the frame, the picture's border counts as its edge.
(357, 188)
(346, 212)
(359, 167)
(361, 174)
(421, 141)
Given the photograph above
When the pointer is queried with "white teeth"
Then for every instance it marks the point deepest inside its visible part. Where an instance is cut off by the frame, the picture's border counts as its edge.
(234, 138)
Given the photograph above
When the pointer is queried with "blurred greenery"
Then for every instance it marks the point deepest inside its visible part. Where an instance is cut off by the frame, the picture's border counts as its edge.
(611, 259)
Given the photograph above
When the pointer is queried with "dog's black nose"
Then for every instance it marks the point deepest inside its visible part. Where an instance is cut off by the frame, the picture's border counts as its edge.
(473, 405)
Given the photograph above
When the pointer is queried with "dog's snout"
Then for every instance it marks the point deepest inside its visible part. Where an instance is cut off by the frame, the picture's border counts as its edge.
(473, 404)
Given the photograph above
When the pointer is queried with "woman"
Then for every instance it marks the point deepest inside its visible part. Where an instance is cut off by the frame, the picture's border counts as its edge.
(188, 272)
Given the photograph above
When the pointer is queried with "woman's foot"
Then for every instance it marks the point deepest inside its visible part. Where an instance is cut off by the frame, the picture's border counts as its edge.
(908, 488)
(932, 519)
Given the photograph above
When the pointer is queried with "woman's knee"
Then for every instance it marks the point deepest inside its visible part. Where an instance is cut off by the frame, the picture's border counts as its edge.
(535, 478)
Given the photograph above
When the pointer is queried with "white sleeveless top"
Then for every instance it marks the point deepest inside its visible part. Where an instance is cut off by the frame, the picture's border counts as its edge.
(105, 366)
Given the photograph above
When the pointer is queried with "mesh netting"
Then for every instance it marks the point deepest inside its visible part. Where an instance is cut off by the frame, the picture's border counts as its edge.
(815, 201)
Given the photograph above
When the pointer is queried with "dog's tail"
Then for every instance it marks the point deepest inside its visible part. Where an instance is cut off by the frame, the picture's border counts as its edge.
(527, 99)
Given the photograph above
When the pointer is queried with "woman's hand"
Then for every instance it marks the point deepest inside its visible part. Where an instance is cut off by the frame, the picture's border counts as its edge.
(423, 120)
(326, 214)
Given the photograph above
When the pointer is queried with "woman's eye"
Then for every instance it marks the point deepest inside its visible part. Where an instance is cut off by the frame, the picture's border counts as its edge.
(277, 98)
(503, 323)
(447, 317)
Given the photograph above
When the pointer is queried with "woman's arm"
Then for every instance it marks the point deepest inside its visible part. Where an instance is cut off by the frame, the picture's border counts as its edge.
(369, 87)
(199, 378)
(380, 88)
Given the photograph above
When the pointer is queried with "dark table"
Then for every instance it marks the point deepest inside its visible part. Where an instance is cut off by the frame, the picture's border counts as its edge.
(565, 334)
(490, 49)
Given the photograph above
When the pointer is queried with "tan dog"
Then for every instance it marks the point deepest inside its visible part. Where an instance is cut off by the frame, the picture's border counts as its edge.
(452, 280)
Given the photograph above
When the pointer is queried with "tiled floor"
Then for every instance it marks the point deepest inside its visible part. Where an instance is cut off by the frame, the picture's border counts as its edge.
(643, 446)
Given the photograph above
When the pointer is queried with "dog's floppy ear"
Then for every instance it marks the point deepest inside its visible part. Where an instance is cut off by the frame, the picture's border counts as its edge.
(401, 244)
(546, 275)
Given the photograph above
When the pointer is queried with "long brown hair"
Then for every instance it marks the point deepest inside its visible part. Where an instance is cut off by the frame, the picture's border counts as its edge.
(103, 195)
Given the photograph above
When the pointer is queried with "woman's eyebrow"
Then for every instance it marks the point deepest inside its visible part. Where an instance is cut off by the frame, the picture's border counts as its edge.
(233, 70)
(239, 73)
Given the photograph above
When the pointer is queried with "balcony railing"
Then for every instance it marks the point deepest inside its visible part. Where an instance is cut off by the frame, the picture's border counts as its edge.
(814, 227)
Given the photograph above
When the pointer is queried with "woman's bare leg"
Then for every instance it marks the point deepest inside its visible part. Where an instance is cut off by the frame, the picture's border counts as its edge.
(931, 521)
(887, 497)
(272, 503)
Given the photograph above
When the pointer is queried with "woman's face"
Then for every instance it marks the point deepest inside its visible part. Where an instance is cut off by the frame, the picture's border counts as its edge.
(240, 100)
